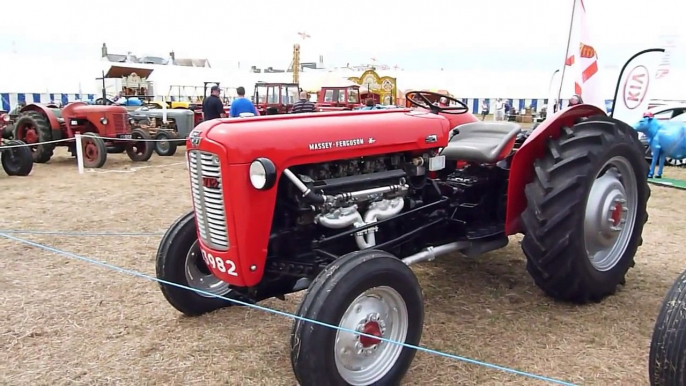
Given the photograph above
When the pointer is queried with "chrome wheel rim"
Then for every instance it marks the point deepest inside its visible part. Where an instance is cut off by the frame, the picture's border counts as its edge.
(381, 312)
(610, 214)
(199, 277)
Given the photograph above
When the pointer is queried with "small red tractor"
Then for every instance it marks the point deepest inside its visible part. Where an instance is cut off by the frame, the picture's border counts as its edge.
(338, 98)
(343, 203)
(15, 156)
(102, 127)
(275, 98)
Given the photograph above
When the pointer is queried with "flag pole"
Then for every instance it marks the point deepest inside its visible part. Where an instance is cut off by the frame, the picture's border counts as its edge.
(569, 41)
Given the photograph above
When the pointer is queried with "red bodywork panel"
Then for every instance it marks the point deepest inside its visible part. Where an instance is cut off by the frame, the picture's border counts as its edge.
(522, 167)
(116, 116)
(286, 140)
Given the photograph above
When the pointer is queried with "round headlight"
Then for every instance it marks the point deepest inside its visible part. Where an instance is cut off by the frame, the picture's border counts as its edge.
(262, 173)
(103, 120)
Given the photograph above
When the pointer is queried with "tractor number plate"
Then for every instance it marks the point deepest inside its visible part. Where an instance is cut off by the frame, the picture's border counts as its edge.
(124, 136)
(222, 265)
(437, 163)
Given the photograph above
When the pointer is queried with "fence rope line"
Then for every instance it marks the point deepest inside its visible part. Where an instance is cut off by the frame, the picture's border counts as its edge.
(63, 233)
(103, 138)
(285, 314)
(37, 143)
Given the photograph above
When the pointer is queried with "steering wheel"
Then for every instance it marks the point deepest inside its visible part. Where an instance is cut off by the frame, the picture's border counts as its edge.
(425, 103)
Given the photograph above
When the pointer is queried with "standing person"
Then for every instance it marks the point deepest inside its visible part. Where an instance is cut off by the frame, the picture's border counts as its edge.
(241, 104)
(212, 106)
(484, 110)
(499, 110)
(303, 105)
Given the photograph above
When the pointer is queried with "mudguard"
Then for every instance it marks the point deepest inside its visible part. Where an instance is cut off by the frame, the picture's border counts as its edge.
(522, 167)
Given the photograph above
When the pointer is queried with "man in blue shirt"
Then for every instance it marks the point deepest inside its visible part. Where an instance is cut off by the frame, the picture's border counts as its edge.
(241, 104)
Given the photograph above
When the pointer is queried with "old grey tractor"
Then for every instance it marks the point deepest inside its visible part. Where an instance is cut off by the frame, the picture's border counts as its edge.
(170, 131)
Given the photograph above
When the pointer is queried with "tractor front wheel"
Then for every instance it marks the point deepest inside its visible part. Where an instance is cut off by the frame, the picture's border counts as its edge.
(16, 161)
(370, 292)
(586, 210)
(33, 128)
(94, 150)
(667, 360)
(165, 144)
(140, 151)
(179, 261)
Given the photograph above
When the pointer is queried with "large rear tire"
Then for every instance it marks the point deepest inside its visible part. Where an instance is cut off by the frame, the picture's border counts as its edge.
(369, 291)
(32, 127)
(179, 261)
(586, 210)
(667, 360)
(16, 161)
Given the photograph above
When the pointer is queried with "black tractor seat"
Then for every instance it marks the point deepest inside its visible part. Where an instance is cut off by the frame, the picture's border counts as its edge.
(481, 142)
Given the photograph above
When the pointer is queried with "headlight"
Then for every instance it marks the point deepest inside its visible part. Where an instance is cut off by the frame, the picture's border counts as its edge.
(262, 173)
(103, 120)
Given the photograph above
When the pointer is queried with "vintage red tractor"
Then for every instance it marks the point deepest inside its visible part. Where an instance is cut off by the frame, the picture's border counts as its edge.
(275, 98)
(342, 203)
(101, 127)
(338, 98)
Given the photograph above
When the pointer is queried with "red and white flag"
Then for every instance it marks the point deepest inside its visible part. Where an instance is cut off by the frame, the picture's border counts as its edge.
(582, 59)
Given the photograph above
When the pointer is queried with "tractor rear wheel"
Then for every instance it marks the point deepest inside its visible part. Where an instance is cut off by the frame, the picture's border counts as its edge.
(94, 150)
(179, 261)
(16, 161)
(368, 291)
(32, 127)
(140, 151)
(586, 210)
(166, 144)
(667, 360)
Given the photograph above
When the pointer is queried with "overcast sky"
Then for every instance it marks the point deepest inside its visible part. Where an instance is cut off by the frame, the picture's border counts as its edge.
(427, 34)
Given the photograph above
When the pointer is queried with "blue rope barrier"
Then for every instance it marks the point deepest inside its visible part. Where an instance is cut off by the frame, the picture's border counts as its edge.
(77, 234)
(286, 314)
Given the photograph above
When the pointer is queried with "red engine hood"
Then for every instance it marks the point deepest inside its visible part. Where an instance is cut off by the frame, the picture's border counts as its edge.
(316, 137)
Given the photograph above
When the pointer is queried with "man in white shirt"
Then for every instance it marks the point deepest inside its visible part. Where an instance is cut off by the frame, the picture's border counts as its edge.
(499, 110)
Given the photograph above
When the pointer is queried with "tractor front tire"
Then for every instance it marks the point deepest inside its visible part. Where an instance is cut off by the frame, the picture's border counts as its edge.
(165, 145)
(16, 161)
(667, 359)
(179, 261)
(140, 151)
(94, 150)
(32, 127)
(586, 210)
(369, 291)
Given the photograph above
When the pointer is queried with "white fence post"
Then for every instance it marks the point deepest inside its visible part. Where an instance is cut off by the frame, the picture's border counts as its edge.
(79, 153)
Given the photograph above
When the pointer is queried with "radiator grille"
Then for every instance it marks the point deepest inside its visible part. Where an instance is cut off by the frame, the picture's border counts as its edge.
(119, 122)
(208, 201)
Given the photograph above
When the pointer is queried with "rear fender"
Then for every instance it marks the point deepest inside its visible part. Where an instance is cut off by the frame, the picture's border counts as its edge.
(49, 115)
(522, 166)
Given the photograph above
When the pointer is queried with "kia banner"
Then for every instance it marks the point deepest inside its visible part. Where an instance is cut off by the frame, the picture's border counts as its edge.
(635, 85)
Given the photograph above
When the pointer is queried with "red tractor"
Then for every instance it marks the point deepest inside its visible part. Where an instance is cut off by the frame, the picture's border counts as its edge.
(275, 98)
(338, 98)
(342, 203)
(102, 127)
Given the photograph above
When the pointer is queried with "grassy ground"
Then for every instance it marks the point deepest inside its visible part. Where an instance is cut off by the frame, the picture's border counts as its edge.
(67, 322)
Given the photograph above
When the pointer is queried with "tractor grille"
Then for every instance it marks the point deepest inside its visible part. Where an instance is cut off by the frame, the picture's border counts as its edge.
(119, 122)
(208, 201)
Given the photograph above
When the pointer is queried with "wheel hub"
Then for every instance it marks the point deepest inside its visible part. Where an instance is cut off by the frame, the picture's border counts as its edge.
(31, 136)
(381, 313)
(199, 277)
(610, 214)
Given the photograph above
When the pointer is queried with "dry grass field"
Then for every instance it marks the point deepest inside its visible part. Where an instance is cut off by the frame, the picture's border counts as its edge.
(68, 322)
